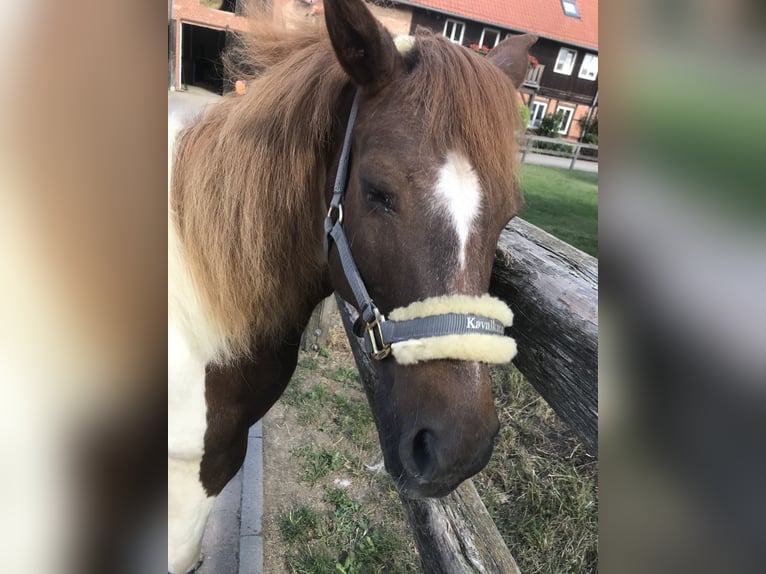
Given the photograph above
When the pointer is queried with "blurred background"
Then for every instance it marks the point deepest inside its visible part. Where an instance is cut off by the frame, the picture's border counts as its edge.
(682, 375)
(83, 275)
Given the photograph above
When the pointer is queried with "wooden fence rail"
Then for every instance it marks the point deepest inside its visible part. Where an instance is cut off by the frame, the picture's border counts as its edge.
(552, 289)
(527, 143)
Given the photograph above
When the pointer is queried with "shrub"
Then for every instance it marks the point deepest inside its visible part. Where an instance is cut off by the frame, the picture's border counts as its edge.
(590, 128)
(550, 125)
(524, 113)
(549, 128)
(590, 135)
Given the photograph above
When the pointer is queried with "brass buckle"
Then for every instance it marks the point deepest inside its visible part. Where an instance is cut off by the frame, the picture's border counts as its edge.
(379, 348)
(340, 212)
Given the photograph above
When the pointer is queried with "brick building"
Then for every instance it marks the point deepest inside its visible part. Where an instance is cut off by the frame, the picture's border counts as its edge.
(566, 79)
(567, 51)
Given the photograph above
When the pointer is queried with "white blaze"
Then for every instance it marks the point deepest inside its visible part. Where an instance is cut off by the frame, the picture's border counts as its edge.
(458, 190)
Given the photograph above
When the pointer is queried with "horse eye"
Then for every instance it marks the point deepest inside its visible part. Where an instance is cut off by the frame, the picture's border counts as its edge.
(377, 197)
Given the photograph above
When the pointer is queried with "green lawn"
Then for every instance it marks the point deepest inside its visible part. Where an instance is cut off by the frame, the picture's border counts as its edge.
(563, 203)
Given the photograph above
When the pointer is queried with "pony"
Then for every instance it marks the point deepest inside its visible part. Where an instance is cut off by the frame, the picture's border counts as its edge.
(428, 186)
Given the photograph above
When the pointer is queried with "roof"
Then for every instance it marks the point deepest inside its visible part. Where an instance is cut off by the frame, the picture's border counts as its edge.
(544, 18)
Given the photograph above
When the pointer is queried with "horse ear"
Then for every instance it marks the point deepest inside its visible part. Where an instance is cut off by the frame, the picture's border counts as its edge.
(512, 56)
(364, 48)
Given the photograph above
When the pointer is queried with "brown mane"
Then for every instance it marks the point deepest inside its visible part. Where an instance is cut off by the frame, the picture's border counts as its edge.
(247, 178)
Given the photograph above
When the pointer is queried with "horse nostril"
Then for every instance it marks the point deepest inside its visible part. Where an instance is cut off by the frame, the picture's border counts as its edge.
(423, 454)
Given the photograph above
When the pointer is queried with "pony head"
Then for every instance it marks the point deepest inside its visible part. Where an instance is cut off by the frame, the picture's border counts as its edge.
(430, 186)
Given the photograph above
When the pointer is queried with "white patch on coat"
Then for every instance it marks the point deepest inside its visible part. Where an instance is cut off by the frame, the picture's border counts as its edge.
(459, 192)
(188, 503)
(188, 509)
(193, 342)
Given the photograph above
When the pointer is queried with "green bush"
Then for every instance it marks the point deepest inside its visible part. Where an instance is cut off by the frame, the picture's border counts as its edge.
(590, 128)
(550, 125)
(525, 116)
(549, 128)
(590, 131)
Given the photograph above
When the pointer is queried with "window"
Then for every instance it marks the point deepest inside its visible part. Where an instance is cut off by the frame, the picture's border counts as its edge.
(589, 67)
(537, 113)
(454, 31)
(565, 61)
(489, 38)
(570, 8)
(566, 121)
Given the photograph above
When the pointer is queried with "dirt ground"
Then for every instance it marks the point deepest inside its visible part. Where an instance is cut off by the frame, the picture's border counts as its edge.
(305, 422)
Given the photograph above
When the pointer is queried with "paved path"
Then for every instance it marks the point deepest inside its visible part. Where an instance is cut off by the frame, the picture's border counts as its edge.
(233, 541)
(562, 162)
(189, 102)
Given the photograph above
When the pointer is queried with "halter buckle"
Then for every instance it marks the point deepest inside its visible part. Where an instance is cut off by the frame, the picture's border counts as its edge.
(380, 350)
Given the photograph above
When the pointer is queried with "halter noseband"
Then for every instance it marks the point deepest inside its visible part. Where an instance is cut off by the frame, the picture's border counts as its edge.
(457, 326)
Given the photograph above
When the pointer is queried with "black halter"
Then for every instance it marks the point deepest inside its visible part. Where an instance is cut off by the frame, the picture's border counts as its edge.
(380, 334)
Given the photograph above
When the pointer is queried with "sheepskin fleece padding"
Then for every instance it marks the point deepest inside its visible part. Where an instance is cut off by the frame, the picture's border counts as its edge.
(473, 347)
(480, 347)
(484, 305)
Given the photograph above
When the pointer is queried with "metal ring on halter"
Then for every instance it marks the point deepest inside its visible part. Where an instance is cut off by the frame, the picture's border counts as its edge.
(339, 207)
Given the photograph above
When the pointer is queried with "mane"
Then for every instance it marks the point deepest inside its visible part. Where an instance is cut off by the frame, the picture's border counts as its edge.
(247, 177)
(242, 181)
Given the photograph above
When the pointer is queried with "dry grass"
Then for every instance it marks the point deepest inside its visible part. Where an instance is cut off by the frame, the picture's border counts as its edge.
(540, 486)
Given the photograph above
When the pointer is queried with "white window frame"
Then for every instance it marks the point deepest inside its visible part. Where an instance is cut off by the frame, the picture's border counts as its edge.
(590, 71)
(574, 4)
(455, 23)
(497, 37)
(565, 129)
(536, 103)
(559, 59)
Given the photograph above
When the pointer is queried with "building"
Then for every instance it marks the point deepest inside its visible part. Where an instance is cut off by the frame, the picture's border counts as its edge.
(567, 51)
(198, 32)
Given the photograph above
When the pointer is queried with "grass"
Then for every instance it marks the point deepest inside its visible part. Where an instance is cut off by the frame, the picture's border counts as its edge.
(540, 485)
(562, 202)
(354, 522)
(318, 463)
(344, 539)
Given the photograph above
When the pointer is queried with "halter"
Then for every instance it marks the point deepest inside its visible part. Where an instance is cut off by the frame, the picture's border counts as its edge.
(457, 326)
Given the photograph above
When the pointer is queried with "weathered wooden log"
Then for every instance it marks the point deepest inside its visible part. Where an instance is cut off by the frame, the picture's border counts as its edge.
(454, 534)
(552, 289)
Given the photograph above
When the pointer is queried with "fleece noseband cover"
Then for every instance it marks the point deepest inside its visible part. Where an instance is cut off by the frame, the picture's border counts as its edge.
(460, 327)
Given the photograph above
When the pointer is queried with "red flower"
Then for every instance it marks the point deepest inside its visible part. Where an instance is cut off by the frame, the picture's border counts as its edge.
(483, 50)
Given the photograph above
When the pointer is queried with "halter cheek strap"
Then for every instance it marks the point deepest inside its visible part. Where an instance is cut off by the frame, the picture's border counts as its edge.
(450, 327)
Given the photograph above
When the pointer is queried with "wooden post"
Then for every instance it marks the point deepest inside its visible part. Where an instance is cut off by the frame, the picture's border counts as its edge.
(454, 534)
(527, 141)
(574, 156)
(172, 47)
(316, 332)
(179, 53)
